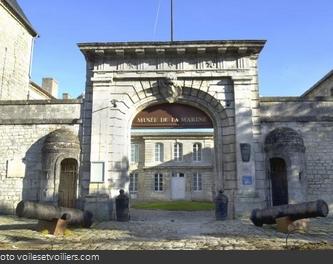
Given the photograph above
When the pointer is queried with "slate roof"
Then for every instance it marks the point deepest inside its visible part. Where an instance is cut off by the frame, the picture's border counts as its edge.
(17, 10)
(317, 84)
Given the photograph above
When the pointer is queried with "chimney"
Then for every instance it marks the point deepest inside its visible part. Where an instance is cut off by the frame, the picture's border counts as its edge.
(51, 86)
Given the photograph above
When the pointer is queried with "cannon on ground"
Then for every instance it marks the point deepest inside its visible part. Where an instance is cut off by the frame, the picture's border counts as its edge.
(294, 212)
(47, 212)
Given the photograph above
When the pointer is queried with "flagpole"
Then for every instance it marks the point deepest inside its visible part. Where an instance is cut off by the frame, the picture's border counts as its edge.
(171, 20)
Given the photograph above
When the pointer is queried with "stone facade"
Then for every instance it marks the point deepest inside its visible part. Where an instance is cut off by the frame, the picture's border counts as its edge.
(24, 126)
(15, 54)
(147, 166)
(260, 151)
(312, 120)
(220, 78)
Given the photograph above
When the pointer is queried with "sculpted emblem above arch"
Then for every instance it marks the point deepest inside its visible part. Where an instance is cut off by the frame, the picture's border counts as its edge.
(170, 88)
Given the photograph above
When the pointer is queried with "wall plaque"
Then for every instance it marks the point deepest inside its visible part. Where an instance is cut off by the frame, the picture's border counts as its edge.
(245, 152)
(247, 180)
(15, 168)
(97, 172)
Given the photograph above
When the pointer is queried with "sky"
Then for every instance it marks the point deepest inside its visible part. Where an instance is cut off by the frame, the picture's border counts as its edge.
(298, 52)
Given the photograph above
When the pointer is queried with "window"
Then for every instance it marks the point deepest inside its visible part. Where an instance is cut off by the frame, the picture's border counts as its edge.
(159, 152)
(158, 182)
(197, 147)
(197, 182)
(134, 153)
(178, 152)
(133, 186)
(331, 91)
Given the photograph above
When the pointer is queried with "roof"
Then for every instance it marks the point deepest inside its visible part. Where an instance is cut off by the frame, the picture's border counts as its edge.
(169, 48)
(317, 84)
(41, 90)
(254, 46)
(16, 9)
(166, 43)
(62, 135)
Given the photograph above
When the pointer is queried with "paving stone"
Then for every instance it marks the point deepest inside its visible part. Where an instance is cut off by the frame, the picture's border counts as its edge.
(186, 233)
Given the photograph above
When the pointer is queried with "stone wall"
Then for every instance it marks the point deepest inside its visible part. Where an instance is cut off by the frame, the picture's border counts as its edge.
(40, 112)
(23, 128)
(312, 119)
(15, 53)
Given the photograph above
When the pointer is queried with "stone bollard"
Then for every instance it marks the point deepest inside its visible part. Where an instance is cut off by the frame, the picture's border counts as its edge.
(122, 207)
(221, 206)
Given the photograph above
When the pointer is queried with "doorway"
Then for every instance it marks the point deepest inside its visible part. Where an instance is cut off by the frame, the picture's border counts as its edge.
(279, 181)
(68, 183)
(178, 186)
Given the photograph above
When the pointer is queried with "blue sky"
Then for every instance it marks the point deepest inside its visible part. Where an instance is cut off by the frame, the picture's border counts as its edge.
(297, 54)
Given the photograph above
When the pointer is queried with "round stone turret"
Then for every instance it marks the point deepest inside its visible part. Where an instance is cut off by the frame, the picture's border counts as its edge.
(286, 138)
(61, 139)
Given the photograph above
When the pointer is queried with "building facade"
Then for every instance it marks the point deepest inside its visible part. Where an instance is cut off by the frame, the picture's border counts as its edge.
(31, 119)
(167, 121)
(17, 38)
(126, 79)
(171, 154)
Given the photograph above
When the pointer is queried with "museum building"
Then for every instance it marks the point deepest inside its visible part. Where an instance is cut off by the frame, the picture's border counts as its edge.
(174, 120)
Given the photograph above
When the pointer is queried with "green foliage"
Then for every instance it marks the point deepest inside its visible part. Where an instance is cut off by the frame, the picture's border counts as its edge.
(175, 205)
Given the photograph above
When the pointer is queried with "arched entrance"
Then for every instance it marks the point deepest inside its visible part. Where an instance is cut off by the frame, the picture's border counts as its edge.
(68, 183)
(279, 181)
(172, 153)
(61, 153)
(285, 163)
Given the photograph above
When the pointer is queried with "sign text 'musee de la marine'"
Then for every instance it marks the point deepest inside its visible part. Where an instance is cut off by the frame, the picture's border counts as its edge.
(172, 116)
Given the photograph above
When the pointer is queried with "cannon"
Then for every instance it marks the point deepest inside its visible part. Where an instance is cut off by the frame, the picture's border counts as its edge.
(47, 212)
(294, 212)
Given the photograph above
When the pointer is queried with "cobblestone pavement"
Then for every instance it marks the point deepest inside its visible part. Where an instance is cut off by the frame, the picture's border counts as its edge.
(152, 230)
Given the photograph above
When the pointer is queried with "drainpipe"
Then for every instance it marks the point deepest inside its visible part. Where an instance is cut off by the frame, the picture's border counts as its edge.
(31, 59)
(32, 54)
(3, 71)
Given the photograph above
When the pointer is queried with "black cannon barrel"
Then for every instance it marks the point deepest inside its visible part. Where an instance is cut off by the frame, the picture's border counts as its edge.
(294, 211)
(49, 212)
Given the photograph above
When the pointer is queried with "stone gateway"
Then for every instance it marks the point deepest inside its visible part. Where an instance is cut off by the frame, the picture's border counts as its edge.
(184, 148)
(163, 121)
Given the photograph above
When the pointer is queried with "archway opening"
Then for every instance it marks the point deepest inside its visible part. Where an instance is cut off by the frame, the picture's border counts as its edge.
(68, 183)
(279, 181)
(172, 153)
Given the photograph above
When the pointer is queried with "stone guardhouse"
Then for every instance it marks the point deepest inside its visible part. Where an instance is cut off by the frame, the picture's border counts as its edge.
(174, 120)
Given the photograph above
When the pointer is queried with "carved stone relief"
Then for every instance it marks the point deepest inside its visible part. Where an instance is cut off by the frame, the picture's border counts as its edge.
(188, 63)
(170, 88)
